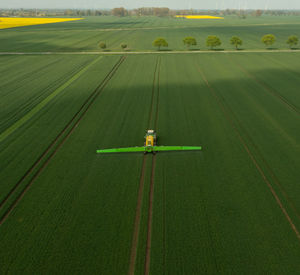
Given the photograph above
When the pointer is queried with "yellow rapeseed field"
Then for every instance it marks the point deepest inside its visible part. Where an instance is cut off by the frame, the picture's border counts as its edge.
(12, 22)
(199, 17)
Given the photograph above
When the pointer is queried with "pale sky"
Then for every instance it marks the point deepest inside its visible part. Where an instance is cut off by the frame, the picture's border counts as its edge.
(174, 4)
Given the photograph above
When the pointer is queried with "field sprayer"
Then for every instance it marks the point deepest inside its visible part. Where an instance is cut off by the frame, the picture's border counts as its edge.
(149, 146)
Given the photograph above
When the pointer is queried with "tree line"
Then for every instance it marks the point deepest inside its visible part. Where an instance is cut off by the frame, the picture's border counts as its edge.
(213, 41)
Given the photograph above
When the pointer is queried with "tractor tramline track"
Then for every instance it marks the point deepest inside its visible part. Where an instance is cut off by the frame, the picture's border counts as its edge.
(151, 192)
(231, 121)
(136, 231)
(150, 217)
(267, 88)
(35, 170)
(150, 146)
(257, 150)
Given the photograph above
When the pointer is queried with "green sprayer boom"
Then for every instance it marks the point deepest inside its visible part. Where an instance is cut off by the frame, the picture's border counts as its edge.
(150, 147)
(146, 149)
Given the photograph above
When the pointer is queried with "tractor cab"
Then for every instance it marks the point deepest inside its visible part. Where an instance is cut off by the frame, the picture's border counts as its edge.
(150, 138)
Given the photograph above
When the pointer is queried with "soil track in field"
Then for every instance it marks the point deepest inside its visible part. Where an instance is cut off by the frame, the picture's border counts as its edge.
(259, 154)
(150, 215)
(137, 219)
(142, 178)
(250, 154)
(151, 192)
(55, 145)
(153, 94)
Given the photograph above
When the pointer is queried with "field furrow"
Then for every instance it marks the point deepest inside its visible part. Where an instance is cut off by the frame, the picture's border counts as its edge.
(213, 204)
(137, 224)
(34, 85)
(273, 92)
(17, 148)
(231, 208)
(103, 192)
(52, 149)
(250, 154)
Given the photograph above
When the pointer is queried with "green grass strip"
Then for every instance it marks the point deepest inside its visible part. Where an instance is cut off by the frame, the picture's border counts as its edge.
(44, 102)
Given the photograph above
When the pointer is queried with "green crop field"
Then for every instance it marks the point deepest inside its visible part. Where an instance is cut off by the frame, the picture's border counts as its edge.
(231, 208)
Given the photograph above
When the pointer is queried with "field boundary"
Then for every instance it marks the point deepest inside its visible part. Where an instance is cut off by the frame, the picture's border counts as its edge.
(250, 154)
(45, 101)
(57, 143)
(152, 52)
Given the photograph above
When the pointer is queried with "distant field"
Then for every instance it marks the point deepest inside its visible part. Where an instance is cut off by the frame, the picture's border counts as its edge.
(13, 22)
(139, 33)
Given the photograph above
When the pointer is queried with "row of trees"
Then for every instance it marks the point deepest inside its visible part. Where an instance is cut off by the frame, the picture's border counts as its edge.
(103, 46)
(213, 41)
